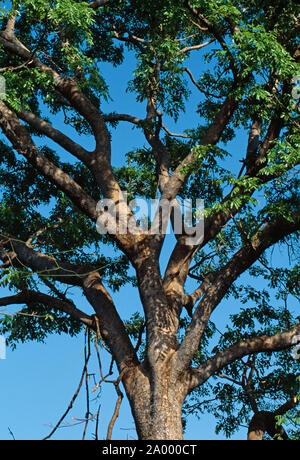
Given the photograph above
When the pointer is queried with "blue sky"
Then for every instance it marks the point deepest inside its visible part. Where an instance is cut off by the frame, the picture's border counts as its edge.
(38, 380)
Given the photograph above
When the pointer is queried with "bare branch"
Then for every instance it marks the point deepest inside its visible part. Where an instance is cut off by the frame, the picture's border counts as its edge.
(111, 326)
(87, 354)
(184, 136)
(202, 29)
(16, 68)
(57, 136)
(10, 26)
(187, 49)
(73, 398)
(137, 41)
(199, 87)
(122, 117)
(187, 70)
(116, 411)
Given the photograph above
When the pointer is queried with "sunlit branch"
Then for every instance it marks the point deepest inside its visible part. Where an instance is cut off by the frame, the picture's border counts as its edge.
(32, 296)
(18, 135)
(187, 49)
(277, 342)
(43, 127)
(265, 237)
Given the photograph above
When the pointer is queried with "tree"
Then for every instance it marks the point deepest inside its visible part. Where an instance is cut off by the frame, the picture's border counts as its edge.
(260, 391)
(51, 54)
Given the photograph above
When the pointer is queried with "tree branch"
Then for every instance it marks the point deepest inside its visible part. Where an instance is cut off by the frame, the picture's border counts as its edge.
(183, 136)
(22, 255)
(43, 127)
(84, 372)
(137, 41)
(187, 70)
(116, 411)
(52, 302)
(277, 342)
(98, 161)
(122, 117)
(111, 326)
(68, 88)
(10, 25)
(211, 137)
(196, 47)
(265, 421)
(216, 33)
(18, 135)
(183, 254)
(268, 235)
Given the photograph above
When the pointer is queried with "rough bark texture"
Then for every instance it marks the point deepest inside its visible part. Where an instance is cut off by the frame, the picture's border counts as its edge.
(158, 385)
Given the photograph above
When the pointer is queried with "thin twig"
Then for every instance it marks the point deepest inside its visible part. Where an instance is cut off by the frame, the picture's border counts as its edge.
(184, 136)
(32, 315)
(87, 352)
(19, 67)
(73, 398)
(116, 411)
(97, 424)
(11, 433)
(98, 336)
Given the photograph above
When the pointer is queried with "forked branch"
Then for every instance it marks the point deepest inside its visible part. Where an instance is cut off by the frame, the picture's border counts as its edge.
(277, 342)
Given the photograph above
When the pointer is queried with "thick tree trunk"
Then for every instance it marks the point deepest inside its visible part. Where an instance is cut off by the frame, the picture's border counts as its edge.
(158, 393)
(166, 422)
(158, 417)
(156, 403)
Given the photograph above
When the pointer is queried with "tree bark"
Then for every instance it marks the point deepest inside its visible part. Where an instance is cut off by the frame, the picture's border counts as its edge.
(156, 402)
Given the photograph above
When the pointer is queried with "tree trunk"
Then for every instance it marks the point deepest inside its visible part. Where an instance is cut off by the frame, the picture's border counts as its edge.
(164, 420)
(166, 423)
(156, 403)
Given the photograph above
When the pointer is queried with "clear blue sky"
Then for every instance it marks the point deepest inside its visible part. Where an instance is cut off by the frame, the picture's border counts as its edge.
(38, 380)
